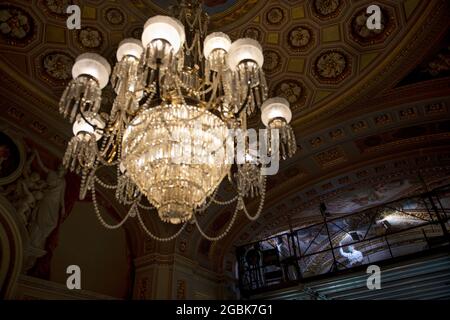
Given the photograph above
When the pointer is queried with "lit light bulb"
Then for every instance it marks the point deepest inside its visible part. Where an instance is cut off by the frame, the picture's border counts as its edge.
(275, 108)
(130, 47)
(81, 125)
(216, 41)
(245, 49)
(93, 65)
(165, 28)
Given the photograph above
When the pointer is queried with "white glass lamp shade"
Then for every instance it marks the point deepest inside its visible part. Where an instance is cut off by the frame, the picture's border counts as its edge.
(275, 108)
(166, 28)
(94, 65)
(81, 125)
(245, 49)
(130, 47)
(215, 41)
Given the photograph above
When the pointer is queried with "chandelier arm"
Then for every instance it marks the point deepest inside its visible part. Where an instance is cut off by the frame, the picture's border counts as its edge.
(106, 143)
(99, 216)
(261, 203)
(108, 164)
(178, 88)
(207, 90)
(94, 126)
(215, 86)
(177, 81)
(151, 235)
(247, 98)
(227, 230)
(208, 85)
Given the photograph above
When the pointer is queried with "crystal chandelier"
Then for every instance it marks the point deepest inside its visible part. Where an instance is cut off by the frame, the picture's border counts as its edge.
(179, 94)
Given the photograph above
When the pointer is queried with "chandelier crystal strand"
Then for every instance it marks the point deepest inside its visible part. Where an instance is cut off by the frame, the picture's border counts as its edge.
(207, 204)
(249, 180)
(276, 114)
(82, 94)
(81, 153)
(127, 191)
(245, 59)
(99, 216)
(178, 92)
(154, 237)
(261, 203)
(212, 199)
(81, 103)
(225, 233)
(174, 189)
(140, 205)
(105, 185)
(225, 203)
(287, 140)
(90, 72)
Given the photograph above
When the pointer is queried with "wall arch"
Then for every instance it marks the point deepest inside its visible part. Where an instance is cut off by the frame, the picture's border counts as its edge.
(11, 249)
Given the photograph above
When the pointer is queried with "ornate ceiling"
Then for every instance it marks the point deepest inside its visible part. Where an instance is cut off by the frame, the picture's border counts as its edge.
(370, 108)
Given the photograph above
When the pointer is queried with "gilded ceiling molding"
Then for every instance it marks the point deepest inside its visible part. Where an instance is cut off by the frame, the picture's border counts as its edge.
(432, 21)
(26, 87)
(289, 189)
(415, 94)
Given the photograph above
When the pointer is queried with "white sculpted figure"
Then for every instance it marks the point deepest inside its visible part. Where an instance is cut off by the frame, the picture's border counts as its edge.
(353, 256)
(47, 212)
(27, 192)
(27, 204)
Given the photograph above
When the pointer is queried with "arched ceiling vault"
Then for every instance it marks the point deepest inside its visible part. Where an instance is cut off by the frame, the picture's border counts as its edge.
(352, 118)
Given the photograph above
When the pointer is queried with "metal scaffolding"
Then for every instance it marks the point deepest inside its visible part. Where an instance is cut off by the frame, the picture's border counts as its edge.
(396, 229)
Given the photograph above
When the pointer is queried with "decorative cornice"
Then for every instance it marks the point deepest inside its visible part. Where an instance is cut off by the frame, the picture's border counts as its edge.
(34, 288)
